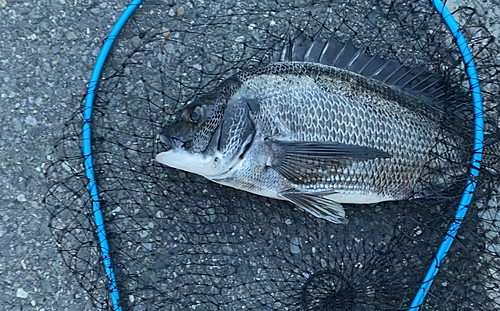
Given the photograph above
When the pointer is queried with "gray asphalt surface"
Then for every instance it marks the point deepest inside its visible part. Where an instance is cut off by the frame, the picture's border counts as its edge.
(47, 52)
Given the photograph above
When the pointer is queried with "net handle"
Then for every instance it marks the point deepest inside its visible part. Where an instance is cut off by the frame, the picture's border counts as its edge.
(476, 156)
(87, 150)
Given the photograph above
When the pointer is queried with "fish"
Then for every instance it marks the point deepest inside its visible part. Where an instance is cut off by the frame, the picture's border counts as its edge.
(321, 125)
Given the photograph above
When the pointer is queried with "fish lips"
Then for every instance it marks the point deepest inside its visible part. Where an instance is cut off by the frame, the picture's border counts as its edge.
(170, 142)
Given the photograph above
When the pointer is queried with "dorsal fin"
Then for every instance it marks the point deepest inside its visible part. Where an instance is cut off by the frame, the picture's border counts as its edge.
(417, 80)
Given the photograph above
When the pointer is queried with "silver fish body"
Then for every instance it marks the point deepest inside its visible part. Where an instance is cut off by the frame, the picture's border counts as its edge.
(312, 134)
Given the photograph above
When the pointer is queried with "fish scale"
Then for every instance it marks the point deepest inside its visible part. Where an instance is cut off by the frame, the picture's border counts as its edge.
(295, 116)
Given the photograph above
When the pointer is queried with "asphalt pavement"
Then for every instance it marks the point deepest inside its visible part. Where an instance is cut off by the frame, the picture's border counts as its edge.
(47, 52)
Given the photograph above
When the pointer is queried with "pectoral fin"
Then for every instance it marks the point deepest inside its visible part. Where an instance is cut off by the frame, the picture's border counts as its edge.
(301, 162)
(318, 205)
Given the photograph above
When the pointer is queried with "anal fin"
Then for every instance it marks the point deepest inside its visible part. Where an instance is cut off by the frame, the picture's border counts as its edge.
(318, 205)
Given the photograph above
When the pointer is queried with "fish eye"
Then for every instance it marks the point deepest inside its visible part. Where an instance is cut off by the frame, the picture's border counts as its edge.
(195, 115)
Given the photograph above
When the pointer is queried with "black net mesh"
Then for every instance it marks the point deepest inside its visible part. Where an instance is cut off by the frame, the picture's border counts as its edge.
(180, 242)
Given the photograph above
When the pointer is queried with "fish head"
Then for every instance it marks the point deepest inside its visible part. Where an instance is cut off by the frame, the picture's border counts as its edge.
(189, 139)
(207, 137)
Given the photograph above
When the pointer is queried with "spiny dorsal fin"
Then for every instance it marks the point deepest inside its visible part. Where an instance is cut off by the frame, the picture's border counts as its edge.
(417, 81)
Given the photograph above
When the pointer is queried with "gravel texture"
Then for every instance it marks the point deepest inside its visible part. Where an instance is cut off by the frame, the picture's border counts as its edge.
(47, 52)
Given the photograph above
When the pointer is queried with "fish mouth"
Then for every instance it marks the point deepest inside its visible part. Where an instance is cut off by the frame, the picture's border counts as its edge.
(171, 143)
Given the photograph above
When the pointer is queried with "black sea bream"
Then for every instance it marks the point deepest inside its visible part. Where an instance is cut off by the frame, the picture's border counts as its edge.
(336, 127)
